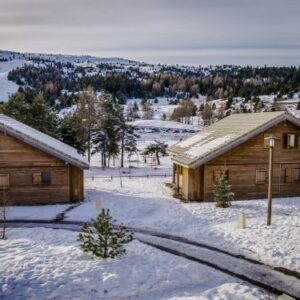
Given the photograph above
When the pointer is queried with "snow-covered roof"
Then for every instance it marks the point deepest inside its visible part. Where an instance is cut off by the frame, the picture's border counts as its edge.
(42, 141)
(225, 135)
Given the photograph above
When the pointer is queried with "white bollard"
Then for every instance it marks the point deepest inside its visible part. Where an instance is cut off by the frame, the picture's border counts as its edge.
(99, 204)
(241, 220)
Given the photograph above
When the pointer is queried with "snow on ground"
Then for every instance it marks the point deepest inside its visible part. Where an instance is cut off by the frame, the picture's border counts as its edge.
(38, 263)
(147, 203)
(163, 125)
(161, 106)
(8, 87)
(41, 212)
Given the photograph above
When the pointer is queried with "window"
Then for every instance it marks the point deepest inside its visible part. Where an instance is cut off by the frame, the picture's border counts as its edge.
(261, 176)
(296, 174)
(4, 181)
(45, 177)
(291, 175)
(290, 140)
(218, 173)
(41, 178)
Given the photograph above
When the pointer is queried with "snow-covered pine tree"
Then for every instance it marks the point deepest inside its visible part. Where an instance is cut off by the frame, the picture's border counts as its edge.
(104, 239)
(222, 191)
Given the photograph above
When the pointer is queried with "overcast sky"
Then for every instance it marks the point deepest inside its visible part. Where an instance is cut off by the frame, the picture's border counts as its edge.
(166, 31)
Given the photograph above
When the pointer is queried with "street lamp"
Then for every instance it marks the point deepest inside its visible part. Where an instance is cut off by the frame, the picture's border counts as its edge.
(271, 140)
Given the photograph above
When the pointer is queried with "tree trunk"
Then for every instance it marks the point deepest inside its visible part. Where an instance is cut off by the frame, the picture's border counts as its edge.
(157, 158)
(122, 150)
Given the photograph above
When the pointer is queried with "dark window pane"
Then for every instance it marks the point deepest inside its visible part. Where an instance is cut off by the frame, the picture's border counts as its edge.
(45, 177)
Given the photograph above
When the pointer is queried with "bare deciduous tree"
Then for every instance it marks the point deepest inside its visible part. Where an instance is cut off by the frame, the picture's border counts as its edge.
(4, 203)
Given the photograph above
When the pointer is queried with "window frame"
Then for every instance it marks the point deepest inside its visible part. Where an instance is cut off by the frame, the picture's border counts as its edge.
(258, 182)
(41, 176)
(286, 140)
(5, 187)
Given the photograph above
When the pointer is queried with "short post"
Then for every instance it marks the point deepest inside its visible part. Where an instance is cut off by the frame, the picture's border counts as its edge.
(99, 204)
(241, 220)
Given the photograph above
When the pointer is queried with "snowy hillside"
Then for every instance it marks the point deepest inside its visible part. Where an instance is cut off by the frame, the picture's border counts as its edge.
(8, 87)
(64, 57)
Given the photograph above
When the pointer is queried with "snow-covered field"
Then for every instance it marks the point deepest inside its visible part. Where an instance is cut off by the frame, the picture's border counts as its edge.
(146, 203)
(48, 264)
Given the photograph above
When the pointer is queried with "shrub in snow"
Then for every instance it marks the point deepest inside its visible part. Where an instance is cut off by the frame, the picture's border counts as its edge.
(222, 192)
(104, 238)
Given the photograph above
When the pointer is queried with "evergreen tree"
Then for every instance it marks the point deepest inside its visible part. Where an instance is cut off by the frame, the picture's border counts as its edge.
(16, 107)
(70, 132)
(222, 192)
(130, 141)
(104, 239)
(106, 136)
(156, 148)
(41, 117)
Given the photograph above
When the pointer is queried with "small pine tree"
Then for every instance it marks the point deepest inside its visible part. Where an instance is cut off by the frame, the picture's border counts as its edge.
(104, 239)
(222, 192)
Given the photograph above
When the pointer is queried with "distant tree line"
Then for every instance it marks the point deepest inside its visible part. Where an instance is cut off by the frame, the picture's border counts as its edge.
(221, 82)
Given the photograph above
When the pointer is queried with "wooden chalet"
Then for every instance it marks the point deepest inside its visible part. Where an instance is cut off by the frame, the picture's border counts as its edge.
(36, 168)
(238, 144)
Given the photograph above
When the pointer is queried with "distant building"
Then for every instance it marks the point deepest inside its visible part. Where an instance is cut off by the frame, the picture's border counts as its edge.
(238, 145)
(36, 168)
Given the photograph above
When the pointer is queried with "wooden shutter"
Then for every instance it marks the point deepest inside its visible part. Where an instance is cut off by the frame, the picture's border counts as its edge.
(4, 181)
(288, 176)
(37, 178)
(261, 176)
(266, 141)
(296, 140)
(291, 140)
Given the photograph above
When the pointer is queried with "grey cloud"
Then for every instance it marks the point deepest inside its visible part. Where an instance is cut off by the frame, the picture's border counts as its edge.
(158, 30)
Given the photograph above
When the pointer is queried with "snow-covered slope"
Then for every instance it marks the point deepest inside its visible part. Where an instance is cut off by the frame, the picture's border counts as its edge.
(8, 87)
(64, 57)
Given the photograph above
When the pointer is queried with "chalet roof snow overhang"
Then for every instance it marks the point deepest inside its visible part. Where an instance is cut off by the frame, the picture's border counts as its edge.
(42, 142)
(225, 135)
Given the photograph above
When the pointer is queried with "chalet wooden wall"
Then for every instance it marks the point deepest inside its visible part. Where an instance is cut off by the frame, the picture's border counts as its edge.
(76, 183)
(21, 160)
(242, 163)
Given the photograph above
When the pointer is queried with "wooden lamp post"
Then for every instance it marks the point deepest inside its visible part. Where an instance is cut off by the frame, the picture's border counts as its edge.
(271, 149)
